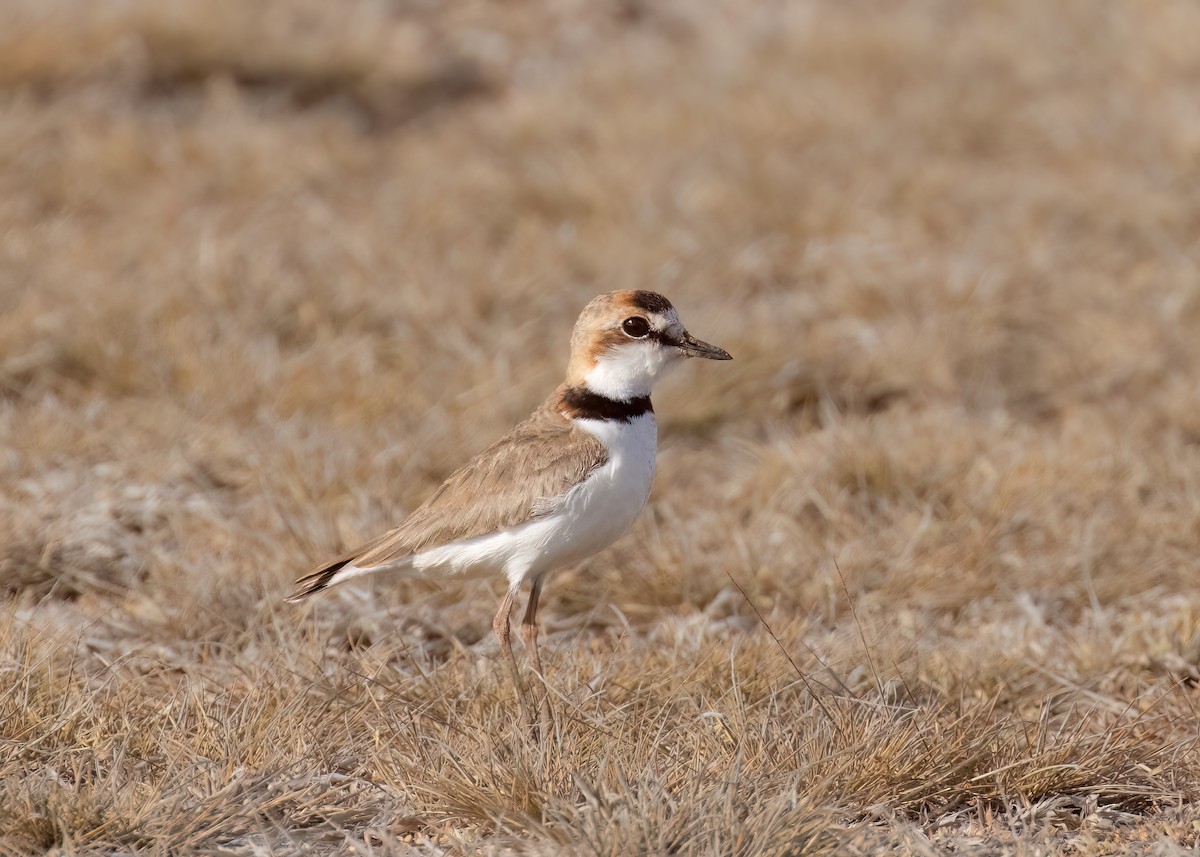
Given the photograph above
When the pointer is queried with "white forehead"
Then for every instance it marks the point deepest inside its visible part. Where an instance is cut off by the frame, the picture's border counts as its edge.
(664, 320)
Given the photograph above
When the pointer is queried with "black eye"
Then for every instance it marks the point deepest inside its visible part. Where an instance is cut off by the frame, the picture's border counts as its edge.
(637, 327)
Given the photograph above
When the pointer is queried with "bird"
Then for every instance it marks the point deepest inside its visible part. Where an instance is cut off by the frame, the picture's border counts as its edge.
(561, 486)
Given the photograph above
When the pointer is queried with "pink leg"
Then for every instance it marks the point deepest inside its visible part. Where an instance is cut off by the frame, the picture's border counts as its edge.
(529, 634)
(501, 627)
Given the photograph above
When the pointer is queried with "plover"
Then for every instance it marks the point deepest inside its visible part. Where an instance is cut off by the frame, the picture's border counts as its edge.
(561, 486)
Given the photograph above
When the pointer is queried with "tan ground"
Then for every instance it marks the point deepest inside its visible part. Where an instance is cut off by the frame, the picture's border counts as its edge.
(920, 569)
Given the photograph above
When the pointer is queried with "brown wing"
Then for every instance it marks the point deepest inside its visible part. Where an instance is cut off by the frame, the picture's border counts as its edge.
(515, 479)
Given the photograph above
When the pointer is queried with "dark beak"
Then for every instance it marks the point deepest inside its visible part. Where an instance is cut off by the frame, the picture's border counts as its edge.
(693, 347)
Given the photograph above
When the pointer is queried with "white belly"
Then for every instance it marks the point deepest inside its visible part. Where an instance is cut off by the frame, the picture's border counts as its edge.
(601, 509)
(590, 517)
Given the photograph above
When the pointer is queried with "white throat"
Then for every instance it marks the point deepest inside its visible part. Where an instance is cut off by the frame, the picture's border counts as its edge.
(629, 372)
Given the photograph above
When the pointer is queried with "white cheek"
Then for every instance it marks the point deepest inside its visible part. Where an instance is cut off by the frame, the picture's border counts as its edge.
(629, 371)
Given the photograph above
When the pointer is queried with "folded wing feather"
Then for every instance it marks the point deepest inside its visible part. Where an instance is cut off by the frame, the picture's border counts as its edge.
(518, 478)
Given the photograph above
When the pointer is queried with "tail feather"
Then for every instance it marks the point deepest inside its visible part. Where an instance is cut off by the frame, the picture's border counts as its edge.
(320, 579)
(339, 571)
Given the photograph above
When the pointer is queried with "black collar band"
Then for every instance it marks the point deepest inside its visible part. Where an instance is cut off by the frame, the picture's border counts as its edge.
(580, 403)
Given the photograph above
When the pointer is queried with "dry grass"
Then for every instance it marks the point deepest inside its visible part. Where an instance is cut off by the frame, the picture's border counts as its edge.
(919, 572)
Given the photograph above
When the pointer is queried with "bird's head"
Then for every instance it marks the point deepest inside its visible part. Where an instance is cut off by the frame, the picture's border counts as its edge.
(625, 341)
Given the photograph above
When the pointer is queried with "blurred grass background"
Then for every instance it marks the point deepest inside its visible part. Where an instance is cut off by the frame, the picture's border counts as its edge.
(268, 272)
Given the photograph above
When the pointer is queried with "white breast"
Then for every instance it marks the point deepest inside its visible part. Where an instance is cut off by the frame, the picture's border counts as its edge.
(599, 510)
